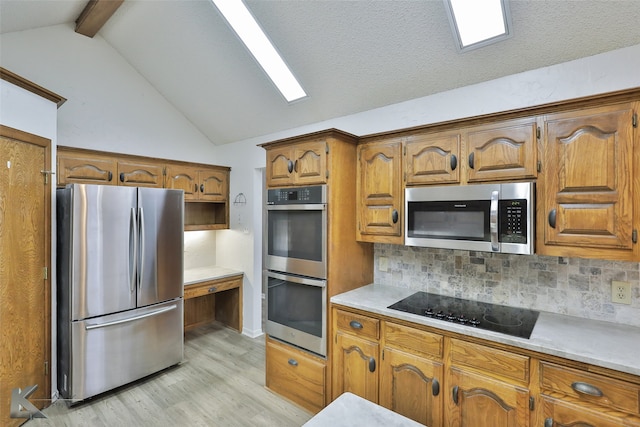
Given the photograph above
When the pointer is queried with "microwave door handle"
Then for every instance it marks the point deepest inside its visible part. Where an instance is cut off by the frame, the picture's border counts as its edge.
(493, 221)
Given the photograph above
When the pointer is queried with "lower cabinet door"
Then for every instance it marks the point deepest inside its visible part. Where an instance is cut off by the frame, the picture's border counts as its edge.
(475, 400)
(559, 413)
(356, 367)
(411, 386)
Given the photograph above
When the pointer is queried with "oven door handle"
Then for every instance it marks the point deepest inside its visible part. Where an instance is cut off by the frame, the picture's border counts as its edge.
(309, 207)
(319, 283)
(493, 221)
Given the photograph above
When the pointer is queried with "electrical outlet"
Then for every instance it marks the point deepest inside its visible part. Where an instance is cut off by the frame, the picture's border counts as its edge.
(620, 292)
(383, 263)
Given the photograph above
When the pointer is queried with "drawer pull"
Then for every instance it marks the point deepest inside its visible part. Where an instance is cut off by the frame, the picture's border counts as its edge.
(293, 362)
(588, 389)
(548, 422)
(355, 324)
(213, 289)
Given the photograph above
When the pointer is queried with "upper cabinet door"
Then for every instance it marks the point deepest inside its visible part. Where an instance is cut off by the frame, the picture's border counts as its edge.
(589, 180)
(379, 192)
(310, 162)
(185, 178)
(214, 185)
(135, 174)
(507, 150)
(279, 166)
(85, 169)
(433, 158)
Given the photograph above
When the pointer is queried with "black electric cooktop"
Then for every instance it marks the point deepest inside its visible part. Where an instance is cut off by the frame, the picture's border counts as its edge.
(518, 322)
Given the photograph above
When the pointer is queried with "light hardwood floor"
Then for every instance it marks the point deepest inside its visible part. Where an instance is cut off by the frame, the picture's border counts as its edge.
(221, 383)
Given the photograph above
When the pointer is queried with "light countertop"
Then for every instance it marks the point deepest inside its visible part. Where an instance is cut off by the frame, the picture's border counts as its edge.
(349, 410)
(609, 345)
(202, 274)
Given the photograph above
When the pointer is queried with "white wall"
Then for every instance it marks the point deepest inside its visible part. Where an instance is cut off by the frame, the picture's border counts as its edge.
(608, 72)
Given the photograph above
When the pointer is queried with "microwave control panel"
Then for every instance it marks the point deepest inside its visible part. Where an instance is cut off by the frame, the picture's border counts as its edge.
(513, 221)
(297, 196)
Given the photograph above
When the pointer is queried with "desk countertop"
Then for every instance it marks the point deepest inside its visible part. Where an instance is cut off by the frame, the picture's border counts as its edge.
(202, 274)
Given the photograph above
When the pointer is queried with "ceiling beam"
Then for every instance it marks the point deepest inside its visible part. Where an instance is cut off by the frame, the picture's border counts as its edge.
(95, 14)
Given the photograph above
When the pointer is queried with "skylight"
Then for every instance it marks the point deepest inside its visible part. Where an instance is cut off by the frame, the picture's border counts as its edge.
(477, 23)
(246, 27)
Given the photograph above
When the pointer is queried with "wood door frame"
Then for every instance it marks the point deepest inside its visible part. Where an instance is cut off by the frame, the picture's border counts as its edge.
(29, 138)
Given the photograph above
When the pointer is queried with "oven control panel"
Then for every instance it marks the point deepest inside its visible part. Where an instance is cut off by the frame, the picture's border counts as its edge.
(297, 196)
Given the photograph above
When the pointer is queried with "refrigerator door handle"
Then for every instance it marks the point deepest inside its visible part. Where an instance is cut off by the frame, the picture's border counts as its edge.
(133, 250)
(89, 327)
(142, 250)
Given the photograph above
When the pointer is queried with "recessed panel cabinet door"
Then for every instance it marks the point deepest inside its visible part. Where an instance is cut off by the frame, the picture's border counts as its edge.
(310, 162)
(86, 170)
(214, 185)
(133, 174)
(411, 386)
(183, 178)
(588, 178)
(379, 192)
(558, 413)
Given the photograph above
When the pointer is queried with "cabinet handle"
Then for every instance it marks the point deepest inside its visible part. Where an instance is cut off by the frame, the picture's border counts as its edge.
(212, 289)
(295, 165)
(548, 422)
(110, 176)
(552, 218)
(293, 362)
(471, 160)
(586, 388)
(355, 324)
(372, 364)
(394, 216)
(202, 188)
(195, 188)
(435, 387)
(454, 162)
(454, 394)
(289, 166)
(121, 176)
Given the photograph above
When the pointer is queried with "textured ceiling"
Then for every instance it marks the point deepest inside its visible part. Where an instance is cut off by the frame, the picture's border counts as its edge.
(350, 56)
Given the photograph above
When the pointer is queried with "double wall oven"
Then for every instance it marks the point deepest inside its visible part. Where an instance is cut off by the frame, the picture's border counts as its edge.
(296, 266)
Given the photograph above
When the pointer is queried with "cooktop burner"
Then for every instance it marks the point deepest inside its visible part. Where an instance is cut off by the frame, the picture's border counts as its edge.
(514, 321)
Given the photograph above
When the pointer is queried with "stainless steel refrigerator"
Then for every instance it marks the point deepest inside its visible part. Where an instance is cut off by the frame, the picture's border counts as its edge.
(119, 287)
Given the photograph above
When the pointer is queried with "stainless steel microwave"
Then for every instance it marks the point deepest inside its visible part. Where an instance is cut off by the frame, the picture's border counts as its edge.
(483, 217)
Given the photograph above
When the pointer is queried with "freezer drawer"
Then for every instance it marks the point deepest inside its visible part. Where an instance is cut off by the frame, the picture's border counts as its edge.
(110, 351)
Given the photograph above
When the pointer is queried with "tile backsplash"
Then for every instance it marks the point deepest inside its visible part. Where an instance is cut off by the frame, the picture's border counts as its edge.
(573, 286)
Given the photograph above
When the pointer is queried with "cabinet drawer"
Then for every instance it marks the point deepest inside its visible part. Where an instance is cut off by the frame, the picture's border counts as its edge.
(412, 339)
(590, 387)
(295, 375)
(487, 359)
(205, 288)
(559, 413)
(357, 324)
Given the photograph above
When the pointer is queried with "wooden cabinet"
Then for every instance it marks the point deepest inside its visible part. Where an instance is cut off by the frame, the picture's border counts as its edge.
(208, 185)
(199, 183)
(78, 166)
(479, 400)
(502, 151)
(296, 375)
(411, 373)
(588, 198)
(355, 355)
(380, 192)
(488, 386)
(576, 397)
(303, 163)
(433, 158)
(85, 168)
(214, 300)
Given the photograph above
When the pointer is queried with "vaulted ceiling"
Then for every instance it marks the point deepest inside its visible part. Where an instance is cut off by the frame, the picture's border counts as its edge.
(350, 56)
